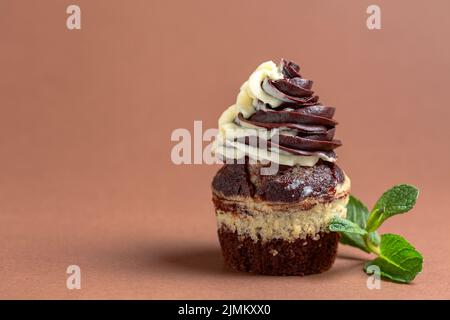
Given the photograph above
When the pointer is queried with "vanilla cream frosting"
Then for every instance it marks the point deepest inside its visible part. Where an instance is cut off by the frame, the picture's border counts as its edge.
(249, 100)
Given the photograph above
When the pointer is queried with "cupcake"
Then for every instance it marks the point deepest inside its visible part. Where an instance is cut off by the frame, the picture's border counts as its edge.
(279, 186)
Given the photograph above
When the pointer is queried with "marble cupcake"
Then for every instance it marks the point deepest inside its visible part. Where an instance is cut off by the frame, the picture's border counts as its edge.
(276, 221)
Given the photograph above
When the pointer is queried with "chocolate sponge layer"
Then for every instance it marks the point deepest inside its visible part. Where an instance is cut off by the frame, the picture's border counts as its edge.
(290, 184)
(279, 257)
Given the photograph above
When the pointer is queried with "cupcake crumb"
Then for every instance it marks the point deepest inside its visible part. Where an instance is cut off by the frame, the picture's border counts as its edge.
(273, 252)
(316, 237)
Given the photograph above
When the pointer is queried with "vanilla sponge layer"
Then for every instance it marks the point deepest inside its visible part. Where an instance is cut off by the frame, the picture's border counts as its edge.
(287, 225)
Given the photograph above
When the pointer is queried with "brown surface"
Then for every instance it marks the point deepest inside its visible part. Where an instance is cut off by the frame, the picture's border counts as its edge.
(279, 257)
(86, 176)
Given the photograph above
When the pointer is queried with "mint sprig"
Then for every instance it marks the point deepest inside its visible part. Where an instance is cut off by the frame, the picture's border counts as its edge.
(343, 225)
(397, 259)
(358, 213)
(399, 199)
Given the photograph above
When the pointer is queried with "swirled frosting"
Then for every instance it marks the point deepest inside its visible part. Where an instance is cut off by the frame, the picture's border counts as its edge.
(278, 108)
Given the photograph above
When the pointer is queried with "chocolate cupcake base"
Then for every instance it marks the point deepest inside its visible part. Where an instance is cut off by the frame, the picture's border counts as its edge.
(278, 224)
(277, 256)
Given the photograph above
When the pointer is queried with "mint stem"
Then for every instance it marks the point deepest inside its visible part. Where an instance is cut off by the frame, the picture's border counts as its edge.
(372, 247)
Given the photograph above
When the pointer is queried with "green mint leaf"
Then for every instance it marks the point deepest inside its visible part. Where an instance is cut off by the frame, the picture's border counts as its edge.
(398, 260)
(399, 199)
(358, 213)
(338, 224)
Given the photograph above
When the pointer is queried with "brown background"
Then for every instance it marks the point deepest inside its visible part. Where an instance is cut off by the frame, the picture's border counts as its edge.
(86, 118)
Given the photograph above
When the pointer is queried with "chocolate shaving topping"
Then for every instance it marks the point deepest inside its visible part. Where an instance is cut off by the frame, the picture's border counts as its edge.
(290, 69)
(294, 116)
(306, 143)
(303, 128)
(256, 142)
(295, 87)
(292, 94)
